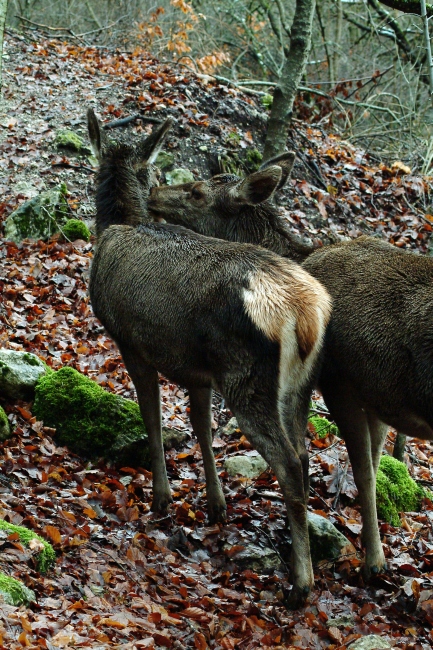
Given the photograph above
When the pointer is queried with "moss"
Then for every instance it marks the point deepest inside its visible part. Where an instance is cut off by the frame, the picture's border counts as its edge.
(267, 100)
(69, 139)
(396, 491)
(5, 429)
(46, 557)
(89, 420)
(254, 159)
(15, 592)
(322, 426)
(75, 229)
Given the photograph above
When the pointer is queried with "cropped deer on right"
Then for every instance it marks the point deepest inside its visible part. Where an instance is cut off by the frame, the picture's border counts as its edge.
(378, 353)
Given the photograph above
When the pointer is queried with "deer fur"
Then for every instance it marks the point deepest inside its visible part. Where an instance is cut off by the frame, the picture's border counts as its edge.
(208, 314)
(378, 351)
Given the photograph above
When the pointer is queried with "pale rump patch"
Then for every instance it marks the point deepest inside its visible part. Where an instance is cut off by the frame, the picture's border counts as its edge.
(284, 297)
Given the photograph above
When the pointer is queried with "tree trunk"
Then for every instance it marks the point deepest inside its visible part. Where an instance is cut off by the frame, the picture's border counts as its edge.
(3, 10)
(285, 91)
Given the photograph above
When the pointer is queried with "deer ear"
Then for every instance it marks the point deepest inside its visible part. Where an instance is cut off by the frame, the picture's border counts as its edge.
(259, 186)
(97, 138)
(149, 147)
(285, 161)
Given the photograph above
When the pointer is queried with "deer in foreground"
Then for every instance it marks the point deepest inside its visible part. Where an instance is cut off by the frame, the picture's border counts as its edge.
(378, 350)
(207, 314)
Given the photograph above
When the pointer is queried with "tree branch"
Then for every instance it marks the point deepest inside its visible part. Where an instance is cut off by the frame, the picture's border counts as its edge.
(408, 6)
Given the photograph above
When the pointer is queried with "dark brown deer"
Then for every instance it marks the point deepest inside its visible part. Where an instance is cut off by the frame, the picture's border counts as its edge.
(208, 314)
(378, 352)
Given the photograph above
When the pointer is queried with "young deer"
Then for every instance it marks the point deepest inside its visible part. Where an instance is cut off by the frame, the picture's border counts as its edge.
(208, 314)
(378, 351)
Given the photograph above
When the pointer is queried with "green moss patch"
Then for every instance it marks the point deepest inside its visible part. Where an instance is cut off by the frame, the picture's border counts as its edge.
(70, 140)
(396, 491)
(75, 229)
(5, 429)
(15, 592)
(322, 426)
(46, 557)
(89, 420)
(254, 159)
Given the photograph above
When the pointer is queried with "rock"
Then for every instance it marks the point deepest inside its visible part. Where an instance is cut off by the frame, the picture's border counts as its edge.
(14, 592)
(70, 140)
(173, 438)
(164, 160)
(326, 542)
(75, 229)
(230, 428)
(89, 420)
(247, 466)
(19, 372)
(341, 621)
(38, 218)
(258, 558)
(5, 429)
(26, 189)
(45, 553)
(370, 642)
(178, 176)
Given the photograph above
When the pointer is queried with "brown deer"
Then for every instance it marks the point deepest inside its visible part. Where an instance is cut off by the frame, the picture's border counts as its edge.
(378, 351)
(208, 314)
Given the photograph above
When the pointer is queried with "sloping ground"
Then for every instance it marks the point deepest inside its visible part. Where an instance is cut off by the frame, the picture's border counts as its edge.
(124, 577)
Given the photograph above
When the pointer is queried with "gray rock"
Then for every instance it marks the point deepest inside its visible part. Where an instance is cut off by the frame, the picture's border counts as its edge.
(178, 176)
(326, 541)
(38, 218)
(370, 642)
(26, 189)
(258, 559)
(230, 428)
(341, 621)
(19, 372)
(247, 466)
(5, 429)
(164, 160)
(173, 438)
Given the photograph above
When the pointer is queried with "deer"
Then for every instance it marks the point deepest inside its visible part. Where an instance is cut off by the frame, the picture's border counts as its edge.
(207, 314)
(377, 368)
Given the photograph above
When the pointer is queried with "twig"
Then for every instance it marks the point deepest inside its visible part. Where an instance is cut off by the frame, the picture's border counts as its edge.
(100, 29)
(325, 449)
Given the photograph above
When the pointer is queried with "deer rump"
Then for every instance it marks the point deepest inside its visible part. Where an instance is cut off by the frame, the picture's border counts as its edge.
(198, 309)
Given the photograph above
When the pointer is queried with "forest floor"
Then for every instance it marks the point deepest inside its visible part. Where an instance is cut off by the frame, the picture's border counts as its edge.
(123, 576)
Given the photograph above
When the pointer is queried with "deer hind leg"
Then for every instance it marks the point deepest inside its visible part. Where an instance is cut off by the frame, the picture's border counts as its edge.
(260, 422)
(145, 379)
(201, 419)
(364, 445)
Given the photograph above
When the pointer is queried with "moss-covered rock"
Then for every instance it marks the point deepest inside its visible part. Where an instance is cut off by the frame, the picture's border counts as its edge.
(5, 429)
(254, 159)
(89, 420)
(19, 372)
(15, 592)
(164, 160)
(322, 426)
(396, 491)
(178, 176)
(40, 217)
(46, 555)
(75, 229)
(68, 139)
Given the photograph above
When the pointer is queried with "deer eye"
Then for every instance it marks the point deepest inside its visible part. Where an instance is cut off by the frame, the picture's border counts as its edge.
(196, 194)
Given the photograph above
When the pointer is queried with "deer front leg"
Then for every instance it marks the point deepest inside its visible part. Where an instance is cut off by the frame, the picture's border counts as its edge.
(200, 400)
(145, 379)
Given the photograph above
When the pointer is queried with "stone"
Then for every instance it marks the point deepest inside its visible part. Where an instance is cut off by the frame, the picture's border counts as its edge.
(230, 428)
(247, 466)
(370, 642)
(19, 372)
(68, 139)
(38, 218)
(326, 542)
(75, 229)
(5, 428)
(341, 621)
(26, 189)
(14, 592)
(164, 160)
(257, 558)
(179, 176)
(173, 438)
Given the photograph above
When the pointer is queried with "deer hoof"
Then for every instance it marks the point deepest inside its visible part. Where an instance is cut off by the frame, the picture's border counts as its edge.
(217, 513)
(296, 597)
(372, 570)
(161, 503)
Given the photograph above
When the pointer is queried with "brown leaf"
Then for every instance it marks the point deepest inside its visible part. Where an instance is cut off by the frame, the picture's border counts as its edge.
(54, 534)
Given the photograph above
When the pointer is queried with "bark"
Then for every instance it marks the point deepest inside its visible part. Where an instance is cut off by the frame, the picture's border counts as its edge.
(408, 6)
(3, 10)
(285, 91)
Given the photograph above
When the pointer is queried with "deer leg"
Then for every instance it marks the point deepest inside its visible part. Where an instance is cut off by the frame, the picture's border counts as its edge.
(268, 437)
(353, 423)
(200, 400)
(145, 379)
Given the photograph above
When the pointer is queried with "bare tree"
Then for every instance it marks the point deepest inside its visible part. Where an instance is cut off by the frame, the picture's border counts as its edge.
(287, 87)
(3, 10)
